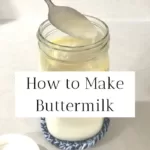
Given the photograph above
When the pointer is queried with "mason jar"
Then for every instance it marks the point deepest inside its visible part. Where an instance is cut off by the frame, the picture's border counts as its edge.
(59, 52)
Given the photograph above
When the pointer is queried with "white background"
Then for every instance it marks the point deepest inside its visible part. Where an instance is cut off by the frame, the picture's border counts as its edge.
(138, 10)
(129, 23)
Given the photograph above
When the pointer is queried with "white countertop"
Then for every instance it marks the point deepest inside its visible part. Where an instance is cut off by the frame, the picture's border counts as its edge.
(130, 50)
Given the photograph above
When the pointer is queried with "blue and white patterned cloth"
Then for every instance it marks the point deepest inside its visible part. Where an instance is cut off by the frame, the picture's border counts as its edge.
(76, 145)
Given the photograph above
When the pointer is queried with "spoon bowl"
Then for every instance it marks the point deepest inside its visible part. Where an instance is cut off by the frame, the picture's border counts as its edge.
(70, 21)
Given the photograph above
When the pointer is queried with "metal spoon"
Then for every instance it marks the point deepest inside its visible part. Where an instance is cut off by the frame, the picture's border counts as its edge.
(70, 21)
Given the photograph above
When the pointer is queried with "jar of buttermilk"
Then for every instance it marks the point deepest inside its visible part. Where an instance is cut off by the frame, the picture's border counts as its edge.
(60, 52)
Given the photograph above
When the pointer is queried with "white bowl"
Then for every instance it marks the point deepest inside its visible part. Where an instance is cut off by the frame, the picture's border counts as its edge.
(17, 142)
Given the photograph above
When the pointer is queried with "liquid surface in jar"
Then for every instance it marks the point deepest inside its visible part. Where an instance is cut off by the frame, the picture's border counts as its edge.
(55, 60)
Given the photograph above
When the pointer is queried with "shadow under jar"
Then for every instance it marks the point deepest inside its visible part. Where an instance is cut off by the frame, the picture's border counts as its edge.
(59, 52)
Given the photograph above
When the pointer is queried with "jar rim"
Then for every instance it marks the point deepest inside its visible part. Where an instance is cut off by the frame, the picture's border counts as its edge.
(86, 47)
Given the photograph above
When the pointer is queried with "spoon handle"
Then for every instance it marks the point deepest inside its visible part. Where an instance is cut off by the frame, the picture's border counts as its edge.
(49, 3)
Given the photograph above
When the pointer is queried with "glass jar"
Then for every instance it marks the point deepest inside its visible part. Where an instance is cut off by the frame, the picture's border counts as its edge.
(57, 55)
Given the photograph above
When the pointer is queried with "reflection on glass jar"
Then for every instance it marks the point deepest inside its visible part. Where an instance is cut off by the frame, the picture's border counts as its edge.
(59, 52)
